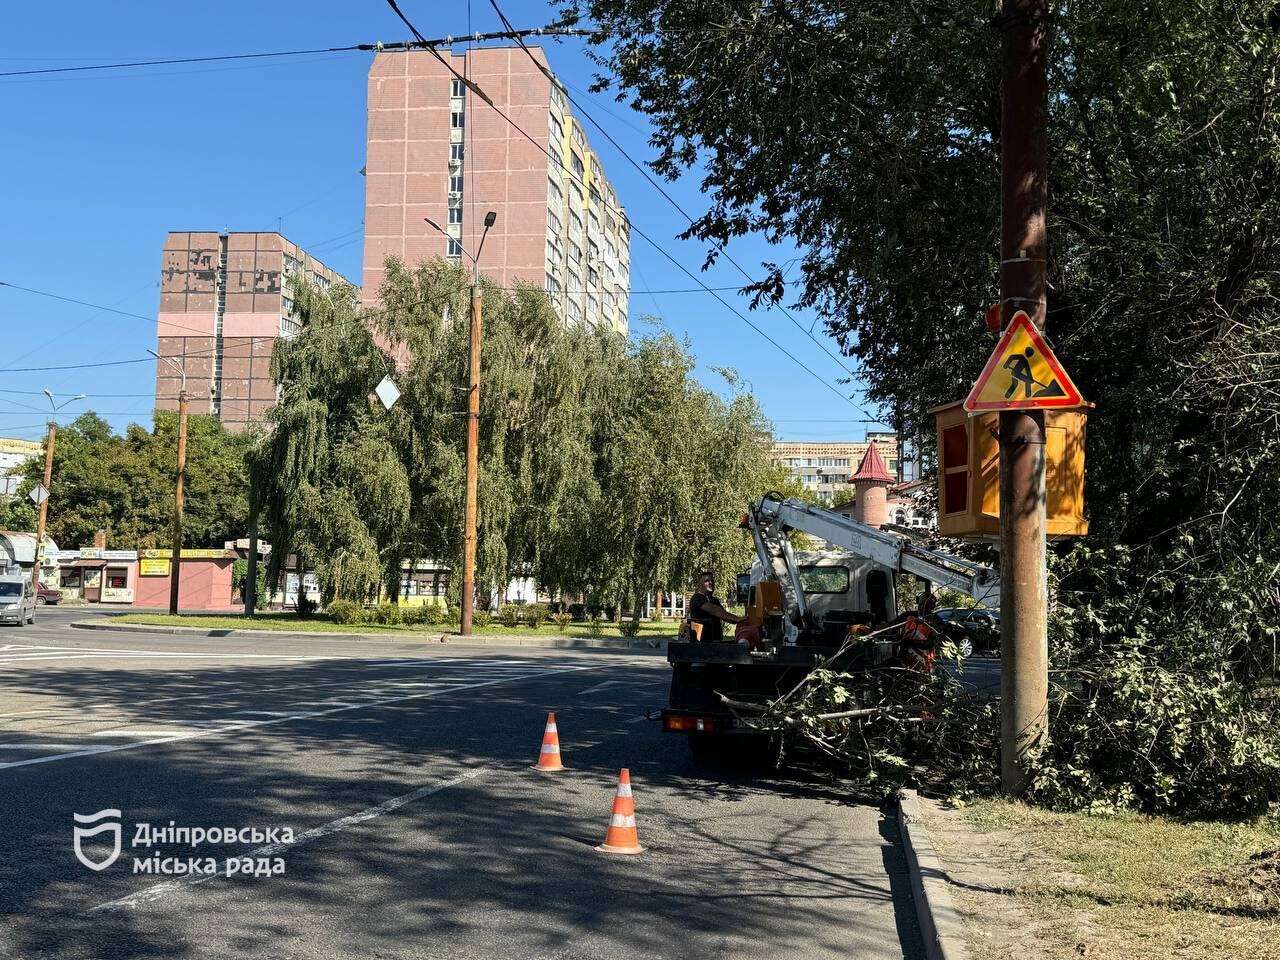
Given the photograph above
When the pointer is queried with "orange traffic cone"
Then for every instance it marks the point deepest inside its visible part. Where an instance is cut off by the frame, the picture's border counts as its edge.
(621, 836)
(549, 758)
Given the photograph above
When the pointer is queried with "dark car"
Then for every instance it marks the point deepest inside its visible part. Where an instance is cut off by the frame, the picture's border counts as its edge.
(48, 595)
(975, 629)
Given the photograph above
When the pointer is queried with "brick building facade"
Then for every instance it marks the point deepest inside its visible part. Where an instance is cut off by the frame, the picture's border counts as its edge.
(437, 150)
(223, 305)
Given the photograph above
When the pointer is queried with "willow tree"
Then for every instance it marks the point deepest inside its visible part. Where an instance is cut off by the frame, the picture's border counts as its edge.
(327, 482)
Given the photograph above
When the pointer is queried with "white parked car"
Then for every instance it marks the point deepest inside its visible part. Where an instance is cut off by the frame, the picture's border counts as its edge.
(17, 601)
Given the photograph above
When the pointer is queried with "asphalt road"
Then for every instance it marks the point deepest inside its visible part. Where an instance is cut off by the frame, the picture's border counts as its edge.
(419, 827)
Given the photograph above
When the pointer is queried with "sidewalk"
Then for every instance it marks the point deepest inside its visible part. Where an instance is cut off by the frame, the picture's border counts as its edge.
(434, 637)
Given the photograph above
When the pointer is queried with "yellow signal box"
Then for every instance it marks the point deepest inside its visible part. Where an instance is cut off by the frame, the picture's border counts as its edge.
(969, 472)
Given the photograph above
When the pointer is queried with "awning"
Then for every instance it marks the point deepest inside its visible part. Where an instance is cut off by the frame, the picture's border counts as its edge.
(86, 563)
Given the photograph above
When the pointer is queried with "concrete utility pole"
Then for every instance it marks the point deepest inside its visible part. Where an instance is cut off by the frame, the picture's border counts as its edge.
(250, 591)
(1024, 673)
(50, 439)
(175, 564)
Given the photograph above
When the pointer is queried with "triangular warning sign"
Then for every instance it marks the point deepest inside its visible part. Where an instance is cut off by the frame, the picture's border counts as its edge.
(1022, 374)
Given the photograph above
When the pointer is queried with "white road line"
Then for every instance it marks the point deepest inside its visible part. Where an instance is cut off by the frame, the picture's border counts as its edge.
(246, 724)
(36, 746)
(161, 890)
(140, 731)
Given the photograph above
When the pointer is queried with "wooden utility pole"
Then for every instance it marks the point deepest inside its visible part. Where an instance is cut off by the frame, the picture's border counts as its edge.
(473, 465)
(1024, 656)
(175, 565)
(43, 511)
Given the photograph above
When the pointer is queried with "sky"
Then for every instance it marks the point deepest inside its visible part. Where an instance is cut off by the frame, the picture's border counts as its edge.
(98, 166)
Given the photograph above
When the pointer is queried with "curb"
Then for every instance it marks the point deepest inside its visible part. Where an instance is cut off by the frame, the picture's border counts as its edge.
(941, 928)
(567, 643)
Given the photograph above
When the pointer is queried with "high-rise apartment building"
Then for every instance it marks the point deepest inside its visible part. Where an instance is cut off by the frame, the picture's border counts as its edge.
(825, 468)
(437, 151)
(223, 304)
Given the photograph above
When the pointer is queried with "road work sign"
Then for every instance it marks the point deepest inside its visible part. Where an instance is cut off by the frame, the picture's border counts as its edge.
(1022, 374)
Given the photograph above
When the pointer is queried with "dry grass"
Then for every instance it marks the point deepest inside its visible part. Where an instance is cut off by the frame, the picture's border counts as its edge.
(1127, 887)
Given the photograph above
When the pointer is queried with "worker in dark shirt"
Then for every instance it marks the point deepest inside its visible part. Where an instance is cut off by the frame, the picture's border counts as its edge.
(706, 610)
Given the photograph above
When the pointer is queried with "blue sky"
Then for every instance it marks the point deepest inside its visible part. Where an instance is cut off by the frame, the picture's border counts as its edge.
(99, 166)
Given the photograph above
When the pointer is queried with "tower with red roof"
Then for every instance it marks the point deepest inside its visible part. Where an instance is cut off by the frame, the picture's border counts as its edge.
(871, 488)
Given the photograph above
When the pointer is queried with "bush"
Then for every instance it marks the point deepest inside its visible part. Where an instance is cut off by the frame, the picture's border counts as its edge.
(345, 612)
(305, 607)
(629, 627)
(432, 614)
(481, 618)
(562, 620)
(595, 626)
(655, 616)
(388, 614)
(578, 612)
(535, 614)
(412, 616)
(509, 615)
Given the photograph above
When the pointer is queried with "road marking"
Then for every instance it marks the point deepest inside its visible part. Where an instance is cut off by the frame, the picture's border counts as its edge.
(135, 732)
(247, 724)
(35, 746)
(161, 890)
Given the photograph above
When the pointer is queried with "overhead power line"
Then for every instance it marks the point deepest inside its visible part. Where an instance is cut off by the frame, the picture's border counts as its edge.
(656, 246)
(421, 43)
(662, 190)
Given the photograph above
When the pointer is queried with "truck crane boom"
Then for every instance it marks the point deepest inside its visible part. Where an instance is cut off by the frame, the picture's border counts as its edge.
(773, 518)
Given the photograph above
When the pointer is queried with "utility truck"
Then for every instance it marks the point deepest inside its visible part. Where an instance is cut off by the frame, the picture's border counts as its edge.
(805, 609)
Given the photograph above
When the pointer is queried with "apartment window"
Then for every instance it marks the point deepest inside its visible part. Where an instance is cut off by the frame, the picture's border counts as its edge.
(455, 183)
(291, 264)
(557, 96)
(575, 222)
(578, 138)
(454, 248)
(593, 278)
(595, 168)
(593, 249)
(557, 131)
(321, 281)
(575, 251)
(557, 161)
(595, 197)
(595, 223)
(455, 88)
(455, 214)
(457, 119)
(553, 285)
(553, 222)
(553, 191)
(455, 152)
(575, 162)
(575, 283)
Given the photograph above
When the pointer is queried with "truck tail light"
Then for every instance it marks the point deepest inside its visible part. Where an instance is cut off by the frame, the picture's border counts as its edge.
(686, 723)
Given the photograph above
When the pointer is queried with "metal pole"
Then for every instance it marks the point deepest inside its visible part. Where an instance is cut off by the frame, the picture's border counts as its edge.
(43, 512)
(175, 565)
(473, 466)
(1024, 679)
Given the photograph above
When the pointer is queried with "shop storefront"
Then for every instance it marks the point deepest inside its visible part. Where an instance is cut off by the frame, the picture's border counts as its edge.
(204, 579)
(97, 575)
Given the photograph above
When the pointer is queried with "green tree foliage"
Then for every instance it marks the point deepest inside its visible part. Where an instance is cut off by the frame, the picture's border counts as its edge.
(124, 483)
(605, 468)
(869, 135)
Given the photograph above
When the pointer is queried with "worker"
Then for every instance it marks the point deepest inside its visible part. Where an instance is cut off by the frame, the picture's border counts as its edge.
(705, 610)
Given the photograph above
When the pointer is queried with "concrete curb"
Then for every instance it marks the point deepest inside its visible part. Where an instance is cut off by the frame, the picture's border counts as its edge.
(941, 928)
(434, 639)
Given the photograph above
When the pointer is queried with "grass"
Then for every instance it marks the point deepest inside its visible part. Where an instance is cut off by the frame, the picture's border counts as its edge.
(1129, 886)
(320, 623)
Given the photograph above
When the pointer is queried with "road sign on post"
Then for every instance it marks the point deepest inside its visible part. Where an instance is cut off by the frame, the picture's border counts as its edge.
(39, 494)
(1022, 374)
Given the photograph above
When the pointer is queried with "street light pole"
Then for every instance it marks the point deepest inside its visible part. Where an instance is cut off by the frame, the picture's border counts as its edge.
(470, 521)
(1024, 654)
(42, 514)
(50, 439)
(175, 564)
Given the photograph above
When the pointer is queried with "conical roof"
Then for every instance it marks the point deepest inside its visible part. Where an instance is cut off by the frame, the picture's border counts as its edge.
(872, 467)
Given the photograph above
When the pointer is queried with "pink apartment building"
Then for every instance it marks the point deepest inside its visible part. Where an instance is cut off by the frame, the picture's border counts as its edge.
(223, 305)
(436, 150)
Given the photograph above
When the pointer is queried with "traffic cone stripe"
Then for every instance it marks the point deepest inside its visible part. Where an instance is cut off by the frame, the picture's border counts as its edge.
(624, 789)
(618, 820)
(551, 728)
(550, 748)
